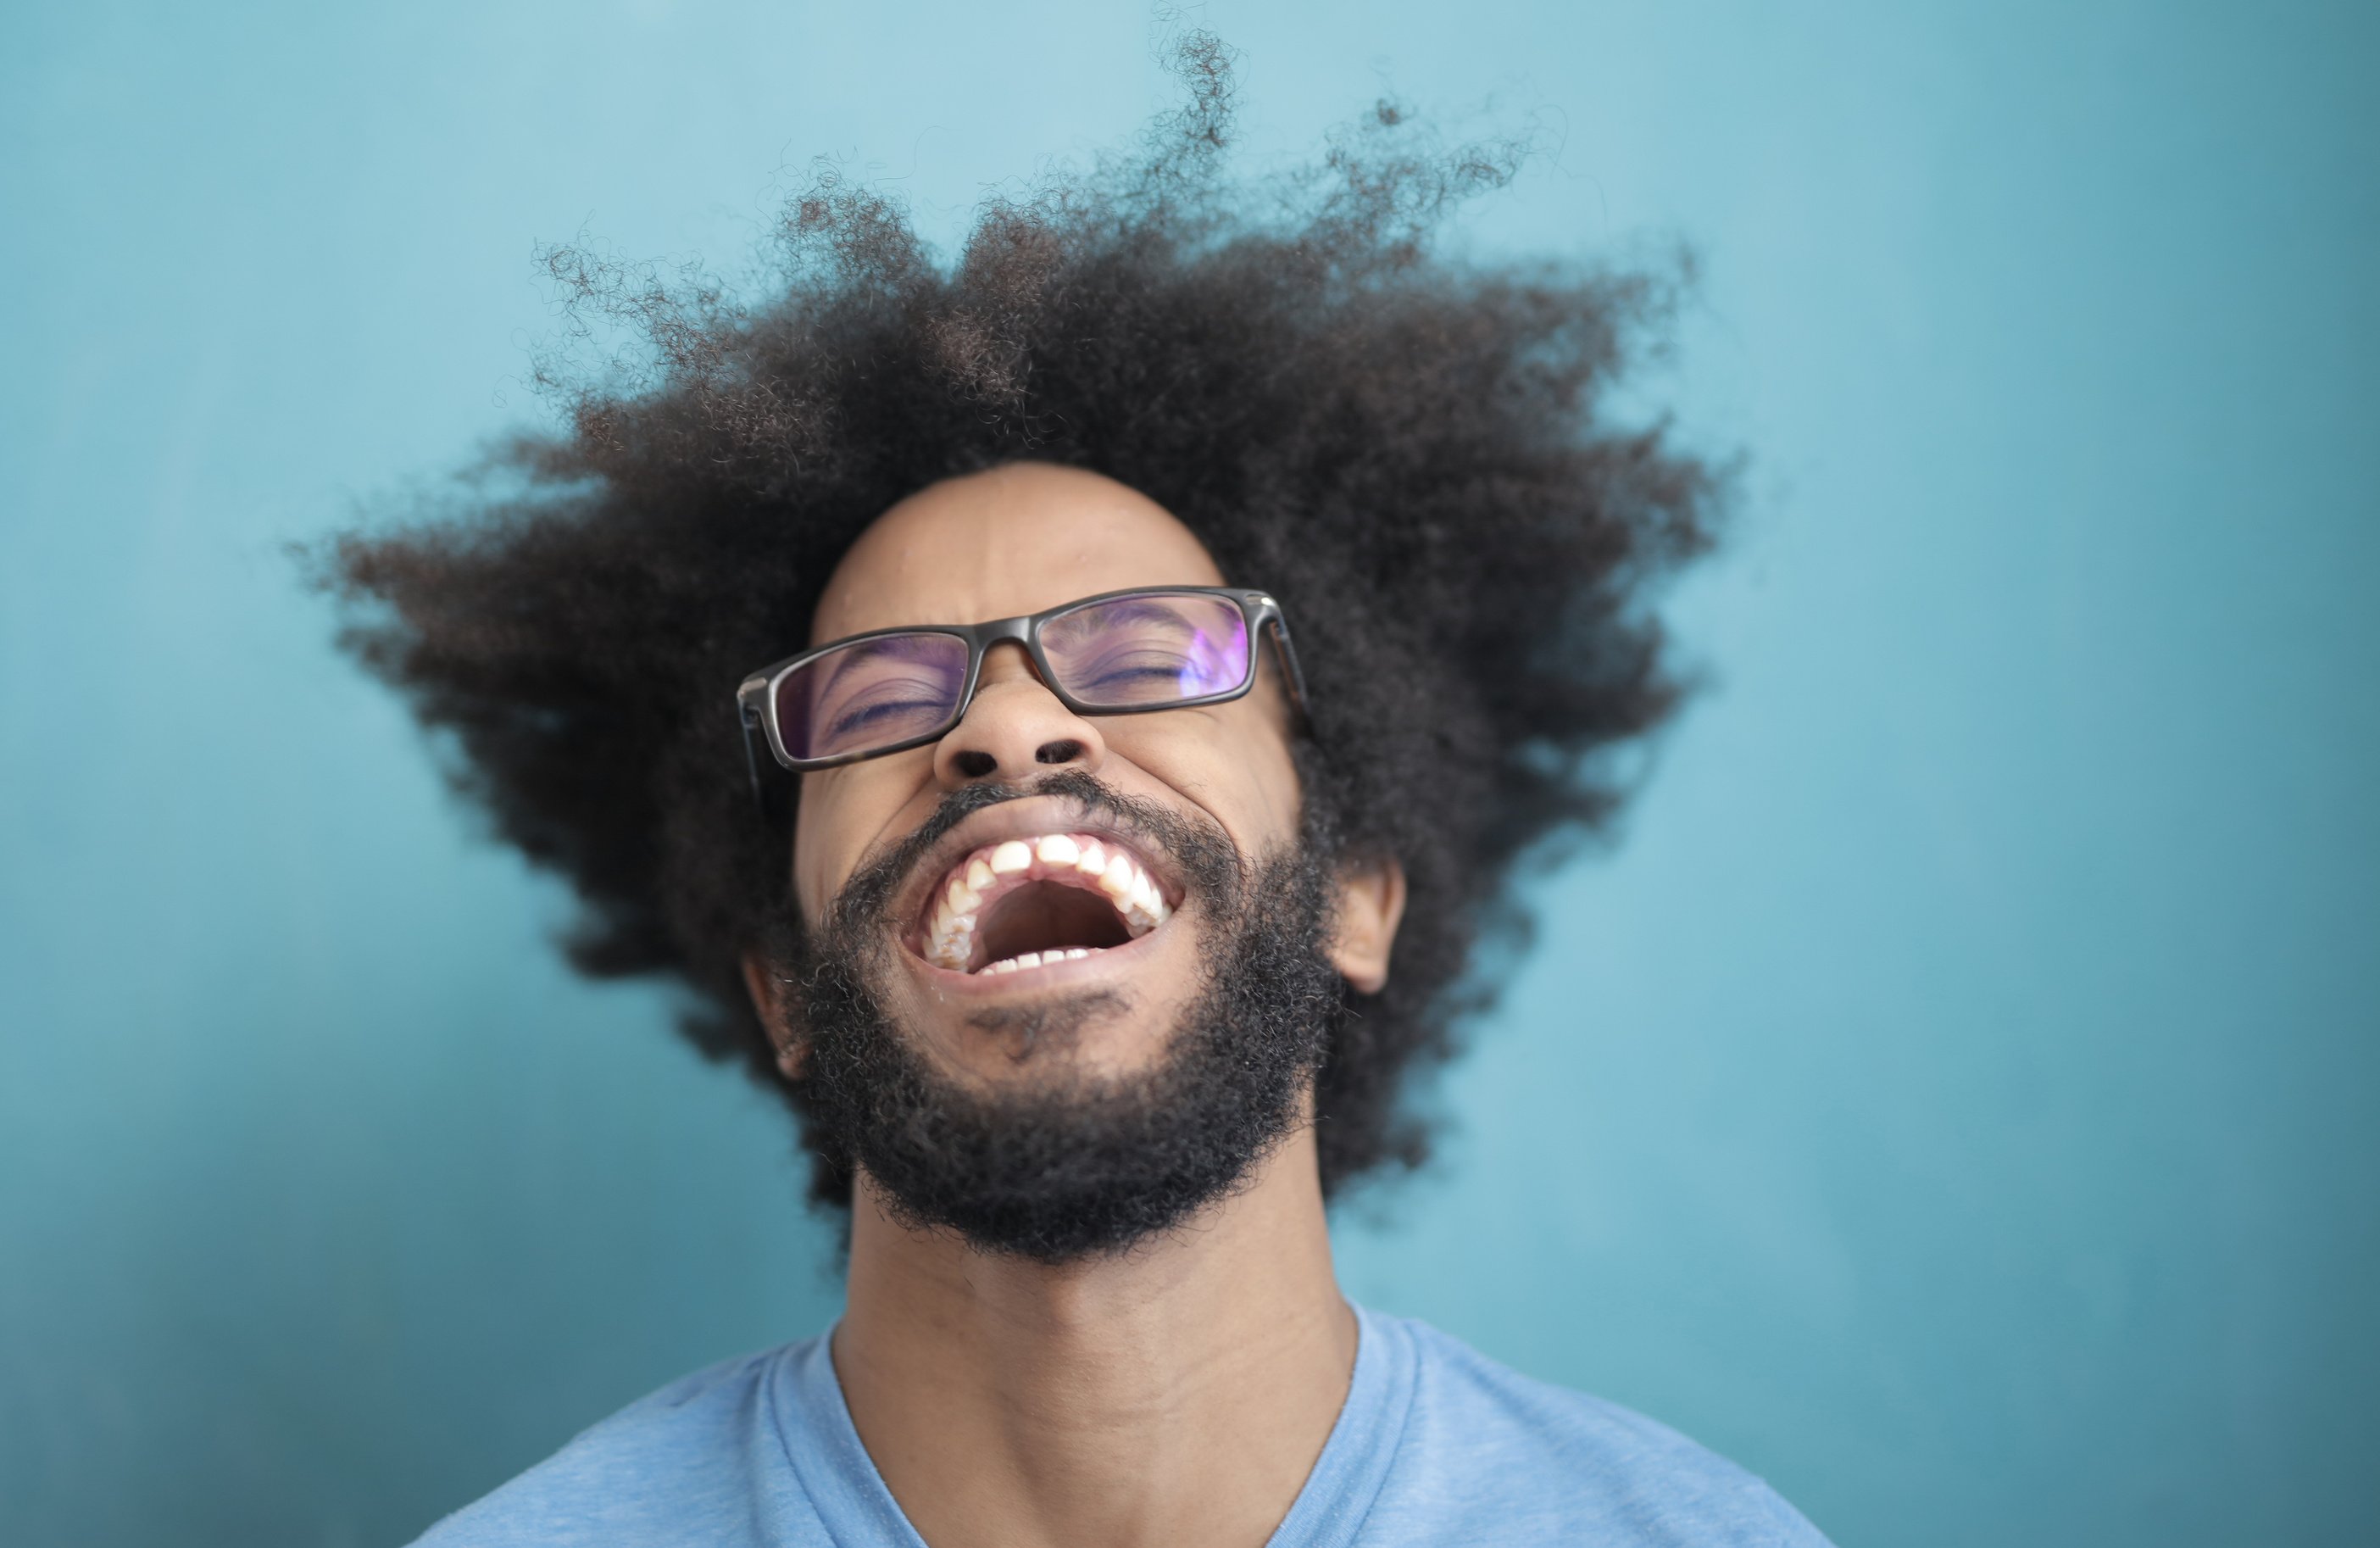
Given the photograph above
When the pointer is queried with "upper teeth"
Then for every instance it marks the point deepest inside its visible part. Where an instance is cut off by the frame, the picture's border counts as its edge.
(1080, 859)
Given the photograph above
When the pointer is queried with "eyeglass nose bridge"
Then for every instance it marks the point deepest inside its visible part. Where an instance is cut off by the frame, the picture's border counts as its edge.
(981, 639)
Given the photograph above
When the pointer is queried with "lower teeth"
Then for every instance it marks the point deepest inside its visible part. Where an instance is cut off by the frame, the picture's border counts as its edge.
(1034, 959)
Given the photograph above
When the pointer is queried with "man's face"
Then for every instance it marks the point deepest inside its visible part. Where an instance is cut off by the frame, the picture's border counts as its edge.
(1009, 542)
(1172, 975)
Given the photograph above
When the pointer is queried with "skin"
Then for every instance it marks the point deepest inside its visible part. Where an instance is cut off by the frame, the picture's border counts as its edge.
(1178, 1393)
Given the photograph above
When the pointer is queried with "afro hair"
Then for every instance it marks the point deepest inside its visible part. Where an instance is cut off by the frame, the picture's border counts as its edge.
(1416, 456)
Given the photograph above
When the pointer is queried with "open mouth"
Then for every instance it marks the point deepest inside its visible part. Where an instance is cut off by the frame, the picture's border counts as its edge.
(1027, 902)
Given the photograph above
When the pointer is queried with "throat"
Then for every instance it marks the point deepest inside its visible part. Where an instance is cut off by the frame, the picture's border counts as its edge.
(1175, 1397)
(1043, 917)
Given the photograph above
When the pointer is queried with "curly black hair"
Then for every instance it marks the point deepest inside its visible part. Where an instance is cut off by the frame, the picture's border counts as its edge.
(1415, 455)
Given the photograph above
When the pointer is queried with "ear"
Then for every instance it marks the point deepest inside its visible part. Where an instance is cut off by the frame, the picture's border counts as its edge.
(769, 1001)
(1371, 904)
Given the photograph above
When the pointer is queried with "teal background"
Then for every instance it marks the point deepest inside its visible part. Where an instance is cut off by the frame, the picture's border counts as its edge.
(1954, 1097)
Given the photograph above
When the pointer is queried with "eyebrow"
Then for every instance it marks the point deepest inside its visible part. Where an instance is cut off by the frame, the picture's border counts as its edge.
(908, 645)
(1128, 611)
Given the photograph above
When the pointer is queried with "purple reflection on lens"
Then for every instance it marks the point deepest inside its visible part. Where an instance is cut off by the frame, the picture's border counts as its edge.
(1148, 647)
(871, 693)
(1211, 666)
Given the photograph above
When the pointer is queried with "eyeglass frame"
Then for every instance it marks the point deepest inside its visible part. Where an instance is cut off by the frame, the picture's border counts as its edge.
(756, 696)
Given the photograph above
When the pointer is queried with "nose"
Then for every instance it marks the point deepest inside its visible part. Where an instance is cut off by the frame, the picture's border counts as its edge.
(1014, 729)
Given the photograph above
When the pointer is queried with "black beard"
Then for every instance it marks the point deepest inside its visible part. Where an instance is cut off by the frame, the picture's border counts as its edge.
(1075, 1166)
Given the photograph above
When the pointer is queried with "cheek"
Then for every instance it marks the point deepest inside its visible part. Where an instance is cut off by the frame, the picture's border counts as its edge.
(1260, 729)
(1233, 764)
(811, 828)
(844, 812)
(1268, 782)
(823, 831)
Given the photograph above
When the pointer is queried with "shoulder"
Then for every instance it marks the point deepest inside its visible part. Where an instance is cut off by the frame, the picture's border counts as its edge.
(691, 1463)
(1489, 1455)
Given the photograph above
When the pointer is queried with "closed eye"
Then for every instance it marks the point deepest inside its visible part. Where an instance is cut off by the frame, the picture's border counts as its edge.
(886, 704)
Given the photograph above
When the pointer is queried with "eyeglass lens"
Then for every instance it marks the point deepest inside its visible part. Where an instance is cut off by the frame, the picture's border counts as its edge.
(1123, 652)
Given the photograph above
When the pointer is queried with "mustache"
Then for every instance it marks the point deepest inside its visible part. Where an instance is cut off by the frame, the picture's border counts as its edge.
(1198, 846)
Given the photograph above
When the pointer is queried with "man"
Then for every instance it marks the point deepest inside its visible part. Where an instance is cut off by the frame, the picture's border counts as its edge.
(1150, 647)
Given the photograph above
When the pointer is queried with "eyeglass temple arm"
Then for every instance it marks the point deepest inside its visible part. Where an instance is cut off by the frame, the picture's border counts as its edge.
(1278, 627)
(768, 794)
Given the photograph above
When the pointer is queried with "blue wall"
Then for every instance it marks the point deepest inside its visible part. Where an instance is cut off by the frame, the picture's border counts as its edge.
(1954, 1099)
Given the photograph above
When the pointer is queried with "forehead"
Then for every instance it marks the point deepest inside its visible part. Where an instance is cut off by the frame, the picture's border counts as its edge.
(1005, 542)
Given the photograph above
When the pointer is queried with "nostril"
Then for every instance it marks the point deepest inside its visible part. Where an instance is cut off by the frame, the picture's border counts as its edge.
(975, 765)
(1058, 752)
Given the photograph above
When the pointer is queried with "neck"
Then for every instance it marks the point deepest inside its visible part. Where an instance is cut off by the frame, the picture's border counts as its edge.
(1177, 1393)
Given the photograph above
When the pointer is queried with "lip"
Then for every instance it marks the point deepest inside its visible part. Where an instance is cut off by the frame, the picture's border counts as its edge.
(1026, 817)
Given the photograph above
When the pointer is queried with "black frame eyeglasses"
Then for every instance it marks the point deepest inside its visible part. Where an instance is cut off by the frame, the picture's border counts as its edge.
(767, 703)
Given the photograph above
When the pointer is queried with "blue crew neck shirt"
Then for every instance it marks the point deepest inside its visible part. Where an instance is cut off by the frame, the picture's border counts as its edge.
(1436, 1445)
